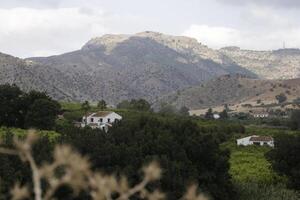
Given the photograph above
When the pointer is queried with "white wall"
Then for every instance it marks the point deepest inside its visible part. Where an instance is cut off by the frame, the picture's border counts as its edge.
(111, 118)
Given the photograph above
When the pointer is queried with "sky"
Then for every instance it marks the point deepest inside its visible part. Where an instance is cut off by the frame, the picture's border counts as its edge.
(48, 27)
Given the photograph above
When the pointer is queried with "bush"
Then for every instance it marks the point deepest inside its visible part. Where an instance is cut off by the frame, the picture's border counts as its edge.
(185, 153)
(285, 158)
(295, 120)
(256, 191)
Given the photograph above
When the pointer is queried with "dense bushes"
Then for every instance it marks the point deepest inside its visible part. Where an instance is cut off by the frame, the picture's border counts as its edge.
(185, 153)
(135, 104)
(295, 120)
(285, 158)
(259, 191)
(26, 110)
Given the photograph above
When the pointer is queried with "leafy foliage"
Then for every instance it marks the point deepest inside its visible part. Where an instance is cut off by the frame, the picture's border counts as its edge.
(184, 152)
(102, 104)
(209, 114)
(261, 191)
(33, 109)
(285, 158)
(295, 120)
(135, 104)
(42, 114)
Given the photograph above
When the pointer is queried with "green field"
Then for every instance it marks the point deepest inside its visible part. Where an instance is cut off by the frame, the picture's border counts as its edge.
(248, 164)
(22, 132)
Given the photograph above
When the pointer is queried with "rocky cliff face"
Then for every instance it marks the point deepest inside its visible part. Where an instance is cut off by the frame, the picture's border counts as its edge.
(279, 64)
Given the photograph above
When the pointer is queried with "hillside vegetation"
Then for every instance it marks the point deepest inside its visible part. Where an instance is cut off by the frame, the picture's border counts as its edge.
(235, 91)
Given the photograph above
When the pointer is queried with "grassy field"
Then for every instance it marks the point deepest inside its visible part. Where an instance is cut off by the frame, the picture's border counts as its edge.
(248, 164)
(22, 132)
(260, 130)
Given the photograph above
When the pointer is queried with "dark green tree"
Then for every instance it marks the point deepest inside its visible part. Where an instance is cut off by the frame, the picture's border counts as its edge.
(224, 114)
(125, 104)
(42, 114)
(167, 109)
(285, 158)
(295, 120)
(209, 114)
(11, 109)
(85, 106)
(184, 111)
(102, 104)
(140, 105)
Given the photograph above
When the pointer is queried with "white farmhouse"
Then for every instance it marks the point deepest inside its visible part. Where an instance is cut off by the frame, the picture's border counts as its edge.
(256, 140)
(216, 116)
(102, 120)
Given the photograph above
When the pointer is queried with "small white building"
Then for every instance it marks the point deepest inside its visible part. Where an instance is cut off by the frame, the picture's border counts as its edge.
(102, 120)
(216, 116)
(260, 114)
(256, 140)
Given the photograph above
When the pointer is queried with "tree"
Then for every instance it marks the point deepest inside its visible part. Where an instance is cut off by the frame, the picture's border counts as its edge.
(42, 114)
(285, 158)
(125, 104)
(295, 120)
(184, 111)
(167, 109)
(135, 104)
(224, 114)
(209, 114)
(85, 106)
(11, 109)
(101, 104)
(140, 105)
(281, 98)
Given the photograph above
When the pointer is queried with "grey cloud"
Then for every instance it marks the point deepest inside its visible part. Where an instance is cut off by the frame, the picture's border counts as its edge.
(268, 3)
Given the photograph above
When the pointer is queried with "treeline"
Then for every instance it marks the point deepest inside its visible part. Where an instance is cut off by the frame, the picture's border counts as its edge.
(27, 110)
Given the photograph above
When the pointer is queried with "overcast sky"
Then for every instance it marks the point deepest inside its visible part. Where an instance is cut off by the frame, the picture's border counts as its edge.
(47, 27)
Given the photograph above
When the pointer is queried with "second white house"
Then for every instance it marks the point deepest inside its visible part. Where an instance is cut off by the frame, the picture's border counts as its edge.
(256, 140)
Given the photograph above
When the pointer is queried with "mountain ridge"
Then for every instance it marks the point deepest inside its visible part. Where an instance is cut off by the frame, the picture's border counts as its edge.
(145, 65)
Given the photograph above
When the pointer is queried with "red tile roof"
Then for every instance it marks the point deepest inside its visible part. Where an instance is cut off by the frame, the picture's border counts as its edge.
(102, 114)
(261, 139)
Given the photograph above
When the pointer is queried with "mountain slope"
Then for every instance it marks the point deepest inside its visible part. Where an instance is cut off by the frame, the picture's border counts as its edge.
(234, 89)
(28, 76)
(146, 65)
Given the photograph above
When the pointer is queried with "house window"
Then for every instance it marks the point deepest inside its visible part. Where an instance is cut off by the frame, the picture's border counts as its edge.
(108, 120)
(101, 120)
(256, 143)
(92, 119)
